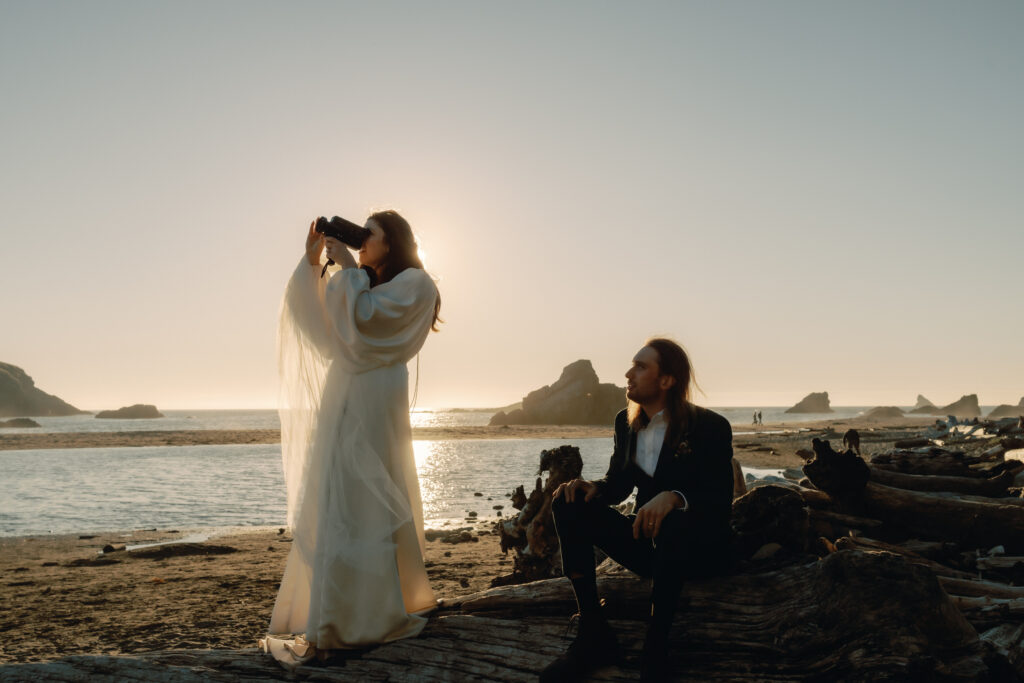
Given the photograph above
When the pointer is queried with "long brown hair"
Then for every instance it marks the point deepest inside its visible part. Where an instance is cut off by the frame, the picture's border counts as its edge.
(402, 253)
(672, 361)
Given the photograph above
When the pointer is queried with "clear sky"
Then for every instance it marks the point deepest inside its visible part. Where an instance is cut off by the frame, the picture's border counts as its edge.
(810, 196)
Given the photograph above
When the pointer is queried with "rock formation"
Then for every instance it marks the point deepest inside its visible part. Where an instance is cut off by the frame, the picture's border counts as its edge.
(576, 398)
(967, 406)
(18, 422)
(1007, 410)
(883, 413)
(812, 403)
(923, 406)
(135, 412)
(19, 396)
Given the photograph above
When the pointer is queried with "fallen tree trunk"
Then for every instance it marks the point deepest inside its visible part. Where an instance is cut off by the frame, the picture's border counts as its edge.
(993, 486)
(972, 522)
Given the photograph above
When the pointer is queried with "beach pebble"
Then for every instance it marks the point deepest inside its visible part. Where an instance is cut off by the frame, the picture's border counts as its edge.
(478, 494)
(447, 553)
(87, 537)
(464, 582)
(498, 507)
(113, 548)
(472, 514)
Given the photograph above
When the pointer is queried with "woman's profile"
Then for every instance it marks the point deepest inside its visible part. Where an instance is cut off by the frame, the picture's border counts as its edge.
(354, 575)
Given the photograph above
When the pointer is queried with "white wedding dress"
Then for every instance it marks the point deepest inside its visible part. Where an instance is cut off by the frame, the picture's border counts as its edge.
(354, 575)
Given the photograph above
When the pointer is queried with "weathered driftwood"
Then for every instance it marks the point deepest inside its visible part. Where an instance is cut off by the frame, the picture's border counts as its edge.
(970, 521)
(980, 588)
(1008, 641)
(850, 616)
(1008, 607)
(531, 533)
(993, 486)
(933, 461)
(870, 544)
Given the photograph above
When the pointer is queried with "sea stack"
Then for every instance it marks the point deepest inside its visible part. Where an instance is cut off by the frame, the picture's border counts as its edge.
(578, 397)
(923, 407)
(812, 403)
(139, 411)
(966, 406)
(19, 396)
(1007, 410)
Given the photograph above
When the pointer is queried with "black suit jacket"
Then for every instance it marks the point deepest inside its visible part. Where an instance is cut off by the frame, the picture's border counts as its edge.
(695, 459)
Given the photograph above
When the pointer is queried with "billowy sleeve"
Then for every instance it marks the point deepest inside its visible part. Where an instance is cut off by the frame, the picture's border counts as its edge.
(384, 325)
(304, 308)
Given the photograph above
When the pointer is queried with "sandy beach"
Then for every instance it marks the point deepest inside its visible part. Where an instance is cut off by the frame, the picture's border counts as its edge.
(62, 596)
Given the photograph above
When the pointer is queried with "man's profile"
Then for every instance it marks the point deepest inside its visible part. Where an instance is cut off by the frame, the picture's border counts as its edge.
(679, 458)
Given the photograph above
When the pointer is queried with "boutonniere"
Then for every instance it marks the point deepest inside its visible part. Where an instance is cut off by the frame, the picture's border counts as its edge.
(683, 449)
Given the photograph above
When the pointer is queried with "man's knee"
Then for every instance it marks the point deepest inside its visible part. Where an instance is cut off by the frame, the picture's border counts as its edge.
(675, 528)
(562, 508)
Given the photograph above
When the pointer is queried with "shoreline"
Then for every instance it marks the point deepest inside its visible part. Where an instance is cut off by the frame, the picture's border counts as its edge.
(211, 437)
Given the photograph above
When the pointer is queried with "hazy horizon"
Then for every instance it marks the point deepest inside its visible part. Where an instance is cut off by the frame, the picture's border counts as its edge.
(809, 197)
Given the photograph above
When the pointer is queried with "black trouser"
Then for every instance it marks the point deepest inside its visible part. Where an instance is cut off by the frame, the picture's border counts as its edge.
(583, 525)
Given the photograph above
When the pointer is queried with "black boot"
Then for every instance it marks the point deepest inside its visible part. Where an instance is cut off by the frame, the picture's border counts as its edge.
(654, 662)
(595, 646)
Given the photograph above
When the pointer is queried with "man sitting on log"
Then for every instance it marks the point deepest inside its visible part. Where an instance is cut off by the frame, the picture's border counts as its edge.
(679, 457)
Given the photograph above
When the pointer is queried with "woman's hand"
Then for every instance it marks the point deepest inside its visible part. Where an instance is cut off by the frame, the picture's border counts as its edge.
(339, 253)
(571, 487)
(653, 513)
(314, 245)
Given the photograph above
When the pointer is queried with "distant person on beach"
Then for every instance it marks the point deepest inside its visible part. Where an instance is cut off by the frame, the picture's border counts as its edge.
(354, 575)
(679, 458)
(754, 422)
(759, 420)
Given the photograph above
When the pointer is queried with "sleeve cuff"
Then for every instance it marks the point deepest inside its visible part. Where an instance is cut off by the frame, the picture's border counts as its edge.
(686, 503)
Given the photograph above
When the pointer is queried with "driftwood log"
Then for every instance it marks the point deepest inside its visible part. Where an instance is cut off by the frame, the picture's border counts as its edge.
(851, 616)
(993, 486)
(972, 522)
(531, 533)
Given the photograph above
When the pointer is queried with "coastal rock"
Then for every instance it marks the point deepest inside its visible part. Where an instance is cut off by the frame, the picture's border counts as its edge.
(578, 397)
(923, 406)
(966, 406)
(883, 413)
(1007, 410)
(135, 412)
(19, 396)
(812, 403)
(18, 422)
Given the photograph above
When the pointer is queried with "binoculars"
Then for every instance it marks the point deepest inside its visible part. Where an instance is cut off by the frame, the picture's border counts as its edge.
(342, 230)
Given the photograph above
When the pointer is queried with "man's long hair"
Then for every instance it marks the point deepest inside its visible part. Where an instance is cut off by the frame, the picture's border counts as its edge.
(672, 361)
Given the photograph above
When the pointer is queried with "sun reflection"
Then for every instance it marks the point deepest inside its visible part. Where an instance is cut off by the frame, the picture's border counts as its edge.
(422, 450)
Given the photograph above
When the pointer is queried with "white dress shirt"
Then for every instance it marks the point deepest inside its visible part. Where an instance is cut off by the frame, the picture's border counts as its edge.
(649, 441)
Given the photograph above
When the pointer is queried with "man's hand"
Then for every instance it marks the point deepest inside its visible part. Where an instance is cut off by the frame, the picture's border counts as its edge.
(571, 487)
(650, 516)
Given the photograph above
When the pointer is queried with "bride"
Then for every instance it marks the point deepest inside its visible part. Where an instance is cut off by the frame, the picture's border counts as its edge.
(354, 575)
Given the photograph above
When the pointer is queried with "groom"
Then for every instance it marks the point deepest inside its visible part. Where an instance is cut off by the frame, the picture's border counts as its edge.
(679, 458)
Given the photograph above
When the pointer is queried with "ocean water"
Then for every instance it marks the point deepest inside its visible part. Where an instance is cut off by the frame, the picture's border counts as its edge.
(175, 420)
(185, 487)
